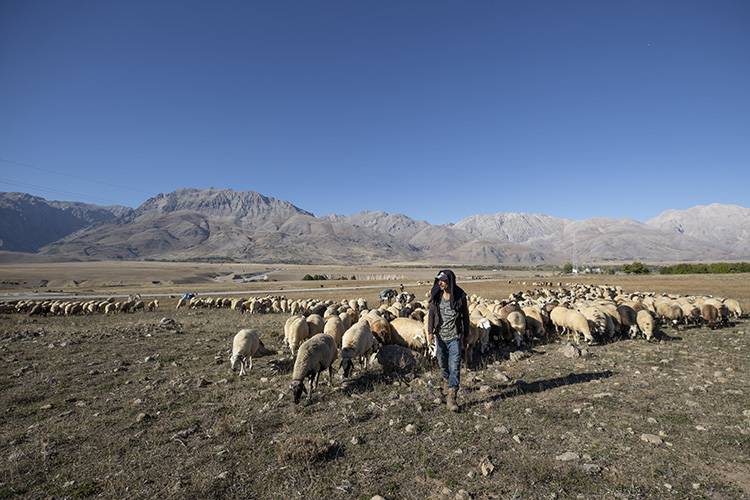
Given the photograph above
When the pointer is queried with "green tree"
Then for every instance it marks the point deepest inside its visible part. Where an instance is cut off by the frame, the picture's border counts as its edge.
(636, 268)
(567, 268)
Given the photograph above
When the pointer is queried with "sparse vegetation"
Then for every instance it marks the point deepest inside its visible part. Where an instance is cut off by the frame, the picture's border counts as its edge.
(715, 268)
(314, 277)
(636, 268)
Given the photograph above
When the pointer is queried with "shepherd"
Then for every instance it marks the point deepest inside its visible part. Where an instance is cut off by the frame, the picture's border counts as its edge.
(447, 327)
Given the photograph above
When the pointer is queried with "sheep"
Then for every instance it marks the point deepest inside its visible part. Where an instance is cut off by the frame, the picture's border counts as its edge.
(409, 333)
(645, 322)
(628, 319)
(315, 355)
(153, 305)
(691, 312)
(710, 315)
(571, 322)
(316, 324)
(517, 322)
(296, 331)
(357, 342)
(734, 307)
(244, 345)
(335, 328)
(597, 319)
(670, 311)
(380, 328)
(479, 334)
(348, 318)
(534, 322)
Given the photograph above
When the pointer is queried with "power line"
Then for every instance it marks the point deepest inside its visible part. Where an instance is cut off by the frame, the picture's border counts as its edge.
(80, 177)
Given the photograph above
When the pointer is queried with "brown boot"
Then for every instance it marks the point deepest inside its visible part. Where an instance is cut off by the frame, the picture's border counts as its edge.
(443, 391)
(451, 400)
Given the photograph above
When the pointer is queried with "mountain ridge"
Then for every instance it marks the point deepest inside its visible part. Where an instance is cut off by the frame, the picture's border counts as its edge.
(194, 223)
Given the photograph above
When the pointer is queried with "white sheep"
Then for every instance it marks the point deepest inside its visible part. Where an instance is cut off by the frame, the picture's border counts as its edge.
(645, 322)
(296, 331)
(357, 342)
(315, 323)
(315, 355)
(410, 333)
(244, 346)
(335, 328)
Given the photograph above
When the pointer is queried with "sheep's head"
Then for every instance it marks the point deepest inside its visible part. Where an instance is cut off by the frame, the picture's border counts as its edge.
(485, 324)
(297, 387)
(233, 361)
(347, 365)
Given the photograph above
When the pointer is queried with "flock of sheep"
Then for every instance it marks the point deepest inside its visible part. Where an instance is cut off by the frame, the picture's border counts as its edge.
(59, 307)
(319, 332)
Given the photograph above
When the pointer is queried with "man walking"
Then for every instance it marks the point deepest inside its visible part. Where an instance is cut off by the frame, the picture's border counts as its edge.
(447, 326)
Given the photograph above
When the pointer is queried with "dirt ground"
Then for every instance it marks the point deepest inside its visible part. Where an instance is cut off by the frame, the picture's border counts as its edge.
(119, 407)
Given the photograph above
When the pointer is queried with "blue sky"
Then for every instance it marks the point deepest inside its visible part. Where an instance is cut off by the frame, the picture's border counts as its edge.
(438, 110)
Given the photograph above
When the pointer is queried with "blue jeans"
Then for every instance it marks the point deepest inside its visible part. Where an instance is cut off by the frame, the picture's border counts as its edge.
(449, 359)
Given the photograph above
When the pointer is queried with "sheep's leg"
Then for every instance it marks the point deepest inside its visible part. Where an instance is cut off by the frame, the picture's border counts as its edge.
(250, 363)
(330, 375)
(242, 368)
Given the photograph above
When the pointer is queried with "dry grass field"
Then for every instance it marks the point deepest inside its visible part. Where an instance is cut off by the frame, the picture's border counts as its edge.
(118, 407)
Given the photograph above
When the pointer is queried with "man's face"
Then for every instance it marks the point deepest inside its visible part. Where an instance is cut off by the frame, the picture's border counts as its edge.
(443, 285)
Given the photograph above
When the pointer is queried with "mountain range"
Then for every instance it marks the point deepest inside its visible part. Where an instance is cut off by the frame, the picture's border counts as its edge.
(192, 224)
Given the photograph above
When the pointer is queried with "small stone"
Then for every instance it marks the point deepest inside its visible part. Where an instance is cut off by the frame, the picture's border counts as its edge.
(501, 429)
(746, 413)
(263, 380)
(485, 388)
(591, 468)
(652, 420)
(377, 497)
(696, 486)
(137, 401)
(470, 474)
(570, 351)
(668, 486)
(462, 495)
(142, 417)
(46, 407)
(68, 484)
(501, 377)
(355, 440)
(602, 395)
(486, 466)
(567, 456)
(223, 475)
(517, 438)
(410, 429)
(651, 438)
(700, 428)
(437, 401)
(149, 359)
(527, 411)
